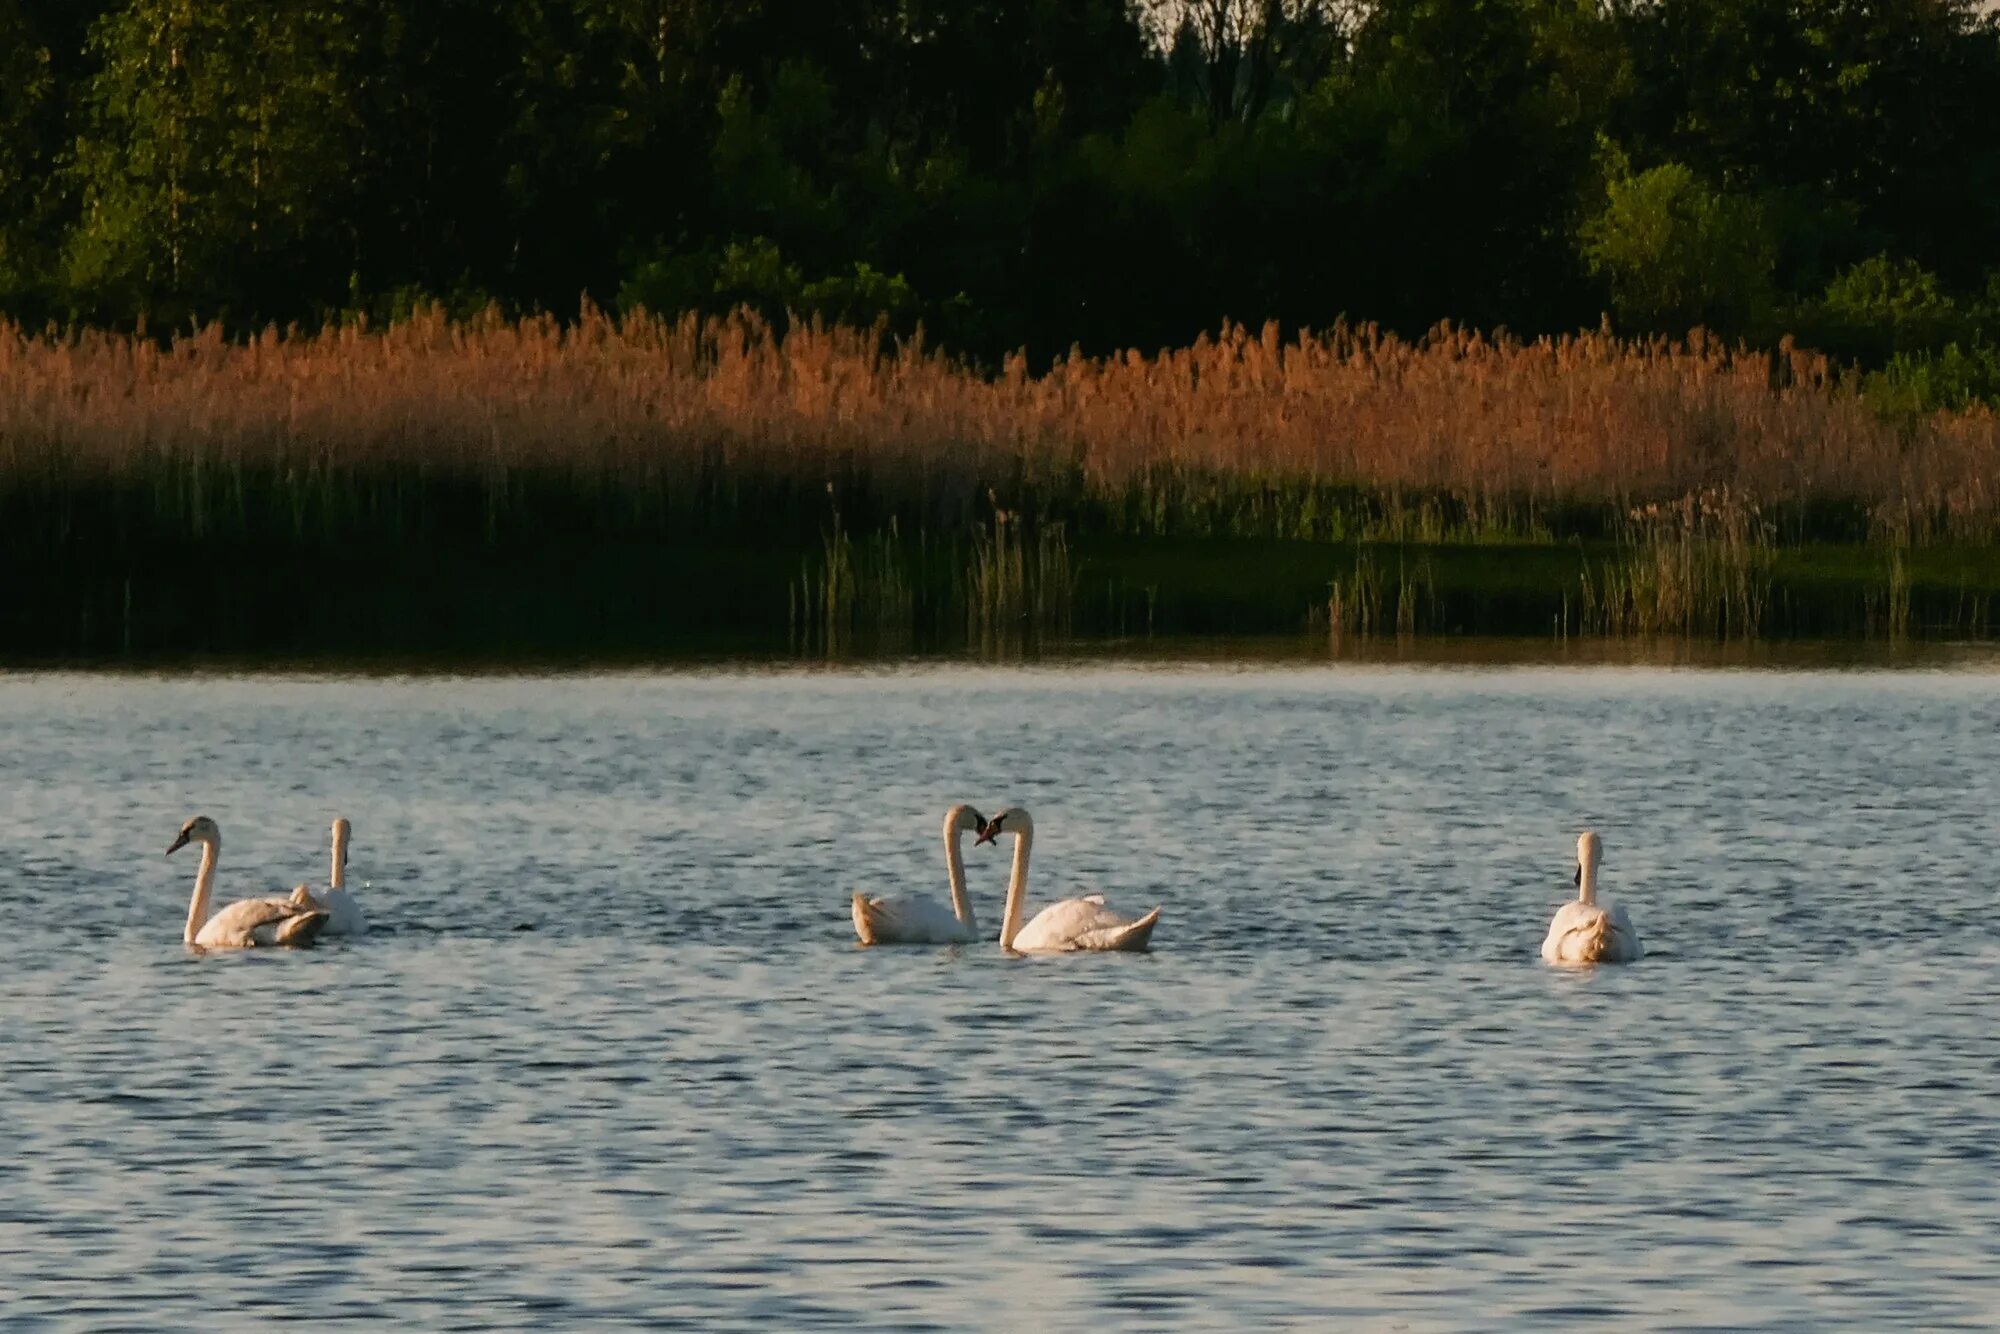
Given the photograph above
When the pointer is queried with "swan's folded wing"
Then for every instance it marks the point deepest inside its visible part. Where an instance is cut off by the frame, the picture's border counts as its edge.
(908, 918)
(1074, 924)
(238, 923)
(1584, 933)
(1566, 922)
(1629, 948)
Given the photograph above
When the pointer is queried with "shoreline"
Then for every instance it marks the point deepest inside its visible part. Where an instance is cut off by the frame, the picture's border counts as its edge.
(937, 599)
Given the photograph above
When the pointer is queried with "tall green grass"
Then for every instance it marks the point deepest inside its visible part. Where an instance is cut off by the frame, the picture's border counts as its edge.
(1700, 567)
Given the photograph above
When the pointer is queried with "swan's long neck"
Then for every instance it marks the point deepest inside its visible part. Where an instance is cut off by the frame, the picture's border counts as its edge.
(954, 868)
(1586, 881)
(337, 877)
(1017, 888)
(204, 882)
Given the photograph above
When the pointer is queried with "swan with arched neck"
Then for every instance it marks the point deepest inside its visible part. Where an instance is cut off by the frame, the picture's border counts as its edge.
(919, 919)
(1085, 923)
(247, 923)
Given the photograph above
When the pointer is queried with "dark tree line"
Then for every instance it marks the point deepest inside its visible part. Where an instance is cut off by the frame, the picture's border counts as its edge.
(1017, 172)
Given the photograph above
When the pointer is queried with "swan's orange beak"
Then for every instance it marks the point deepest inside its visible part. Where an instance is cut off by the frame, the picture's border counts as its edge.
(987, 833)
(178, 843)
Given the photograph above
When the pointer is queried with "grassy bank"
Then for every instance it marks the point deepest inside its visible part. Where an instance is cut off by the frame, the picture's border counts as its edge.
(650, 486)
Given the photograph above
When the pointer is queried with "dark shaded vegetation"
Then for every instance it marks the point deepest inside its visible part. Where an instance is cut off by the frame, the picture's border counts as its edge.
(1023, 173)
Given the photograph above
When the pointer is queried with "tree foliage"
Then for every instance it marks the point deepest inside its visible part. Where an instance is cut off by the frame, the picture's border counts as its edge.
(1013, 172)
(27, 86)
(1676, 253)
(214, 157)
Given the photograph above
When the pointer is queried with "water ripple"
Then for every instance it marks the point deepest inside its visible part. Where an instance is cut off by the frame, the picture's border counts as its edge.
(612, 1058)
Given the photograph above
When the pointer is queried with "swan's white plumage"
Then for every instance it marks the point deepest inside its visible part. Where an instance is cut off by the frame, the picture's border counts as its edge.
(907, 919)
(919, 919)
(343, 914)
(1082, 923)
(1591, 933)
(1585, 930)
(247, 923)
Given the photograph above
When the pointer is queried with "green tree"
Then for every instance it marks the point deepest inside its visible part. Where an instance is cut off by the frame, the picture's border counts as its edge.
(600, 138)
(214, 161)
(1676, 253)
(1449, 152)
(1886, 113)
(1880, 307)
(27, 86)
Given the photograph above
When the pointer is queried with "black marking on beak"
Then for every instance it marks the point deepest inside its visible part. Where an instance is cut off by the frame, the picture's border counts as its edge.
(178, 843)
(988, 831)
(1577, 879)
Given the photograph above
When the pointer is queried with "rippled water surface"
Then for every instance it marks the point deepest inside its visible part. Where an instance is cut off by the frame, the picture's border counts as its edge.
(1340, 1090)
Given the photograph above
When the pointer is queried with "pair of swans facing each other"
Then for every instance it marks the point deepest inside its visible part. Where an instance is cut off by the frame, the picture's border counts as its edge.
(293, 921)
(1085, 923)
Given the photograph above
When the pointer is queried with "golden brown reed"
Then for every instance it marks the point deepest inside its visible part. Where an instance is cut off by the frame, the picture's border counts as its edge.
(1499, 426)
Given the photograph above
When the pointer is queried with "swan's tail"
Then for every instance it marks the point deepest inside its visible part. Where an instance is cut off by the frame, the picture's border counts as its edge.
(1596, 942)
(302, 930)
(864, 920)
(1133, 935)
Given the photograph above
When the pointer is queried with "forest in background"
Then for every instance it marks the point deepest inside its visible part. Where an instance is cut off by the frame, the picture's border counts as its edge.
(1023, 174)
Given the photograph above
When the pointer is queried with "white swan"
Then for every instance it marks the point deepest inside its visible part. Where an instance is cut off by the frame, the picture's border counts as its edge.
(344, 916)
(1586, 931)
(248, 922)
(1085, 923)
(919, 919)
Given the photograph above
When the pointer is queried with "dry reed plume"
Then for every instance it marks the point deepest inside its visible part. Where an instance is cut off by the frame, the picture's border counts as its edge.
(1240, 428)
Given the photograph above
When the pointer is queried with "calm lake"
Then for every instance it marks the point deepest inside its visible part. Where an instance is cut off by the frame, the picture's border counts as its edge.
(611, 1055)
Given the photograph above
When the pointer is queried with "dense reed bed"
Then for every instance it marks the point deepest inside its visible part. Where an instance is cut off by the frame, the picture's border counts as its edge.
(647, 482)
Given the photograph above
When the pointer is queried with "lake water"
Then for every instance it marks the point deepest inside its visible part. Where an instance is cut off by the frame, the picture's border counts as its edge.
(1341, 1090)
